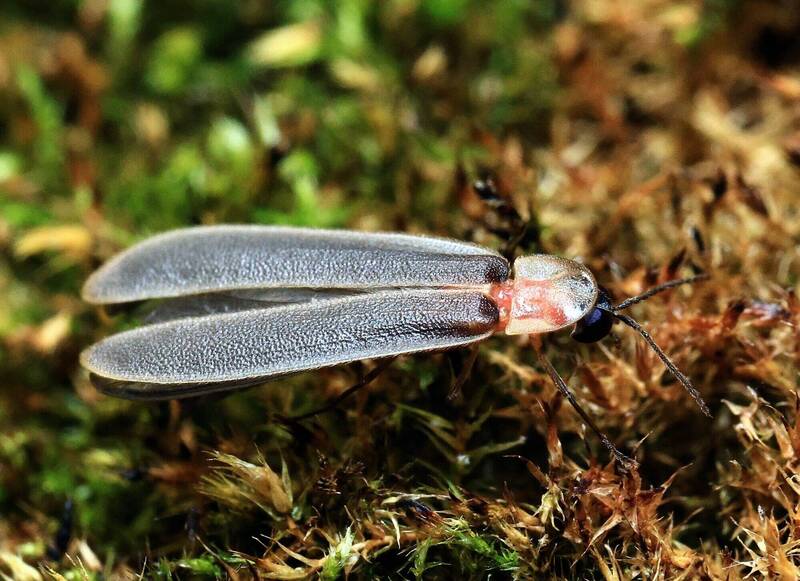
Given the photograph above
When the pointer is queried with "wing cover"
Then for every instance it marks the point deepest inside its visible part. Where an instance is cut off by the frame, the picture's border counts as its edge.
(217, 352)
(225, 302)
(234, 257)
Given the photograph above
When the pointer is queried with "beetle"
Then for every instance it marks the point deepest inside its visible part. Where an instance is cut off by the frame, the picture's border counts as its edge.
(241, 304)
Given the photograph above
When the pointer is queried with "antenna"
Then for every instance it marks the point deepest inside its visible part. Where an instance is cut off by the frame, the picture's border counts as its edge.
(633, 324)
(685, 381)
(659, 289)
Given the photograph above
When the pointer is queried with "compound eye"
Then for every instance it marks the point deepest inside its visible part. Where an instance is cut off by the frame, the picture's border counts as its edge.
(593, 327)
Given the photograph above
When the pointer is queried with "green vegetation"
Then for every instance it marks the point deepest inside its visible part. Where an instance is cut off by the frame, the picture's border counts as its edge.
(650, 139)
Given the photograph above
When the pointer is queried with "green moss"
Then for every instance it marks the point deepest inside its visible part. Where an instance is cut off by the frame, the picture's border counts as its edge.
(47, 116)
(477, 553)
(174, 61)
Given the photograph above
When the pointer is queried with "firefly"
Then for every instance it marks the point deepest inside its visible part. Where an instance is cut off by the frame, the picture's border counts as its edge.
(242, 304)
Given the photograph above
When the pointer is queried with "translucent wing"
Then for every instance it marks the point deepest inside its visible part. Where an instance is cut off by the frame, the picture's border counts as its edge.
(225, 258)
(218, 352)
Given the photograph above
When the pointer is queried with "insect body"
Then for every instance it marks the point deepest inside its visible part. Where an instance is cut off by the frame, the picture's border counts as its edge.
(242, 304)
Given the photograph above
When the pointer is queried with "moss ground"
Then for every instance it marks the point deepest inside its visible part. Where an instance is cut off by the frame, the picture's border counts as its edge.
(652, 139)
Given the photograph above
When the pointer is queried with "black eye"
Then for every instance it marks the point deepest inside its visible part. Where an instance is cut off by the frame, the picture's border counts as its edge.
(593, 327)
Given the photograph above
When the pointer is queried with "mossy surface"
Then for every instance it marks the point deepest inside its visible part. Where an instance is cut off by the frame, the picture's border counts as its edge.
(651, 139)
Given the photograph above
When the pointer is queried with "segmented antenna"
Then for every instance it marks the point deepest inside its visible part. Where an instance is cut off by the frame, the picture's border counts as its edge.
(685, 381)
(633, 324)
(659, 289)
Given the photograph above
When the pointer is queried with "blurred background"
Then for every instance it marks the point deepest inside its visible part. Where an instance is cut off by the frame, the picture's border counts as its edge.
(651, 139)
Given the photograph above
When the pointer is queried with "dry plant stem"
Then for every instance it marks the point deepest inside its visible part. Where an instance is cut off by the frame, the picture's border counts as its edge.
(685, 381)
(625, 461)
(658, 289)
(365, 381)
